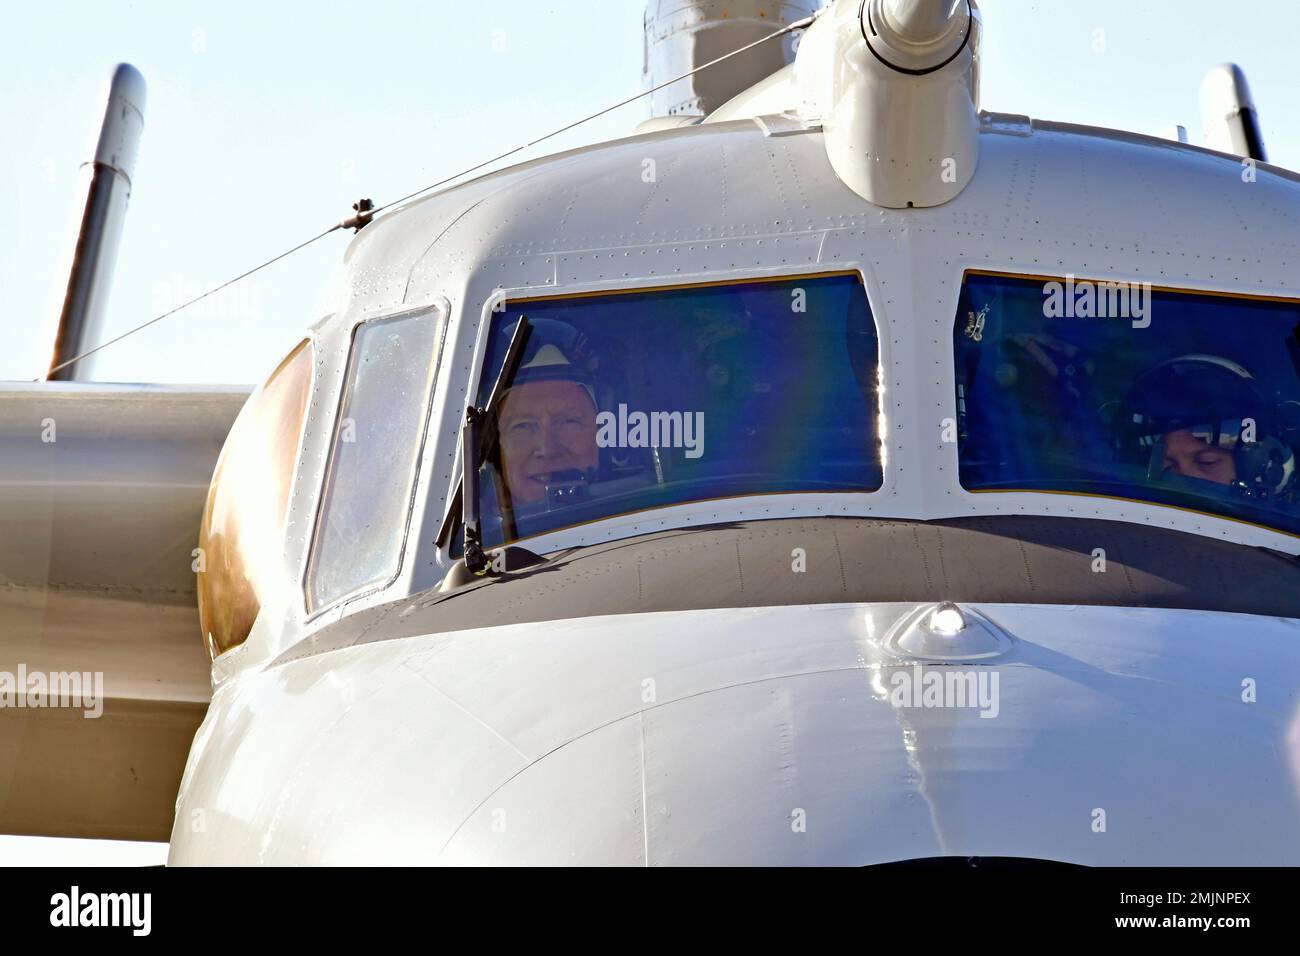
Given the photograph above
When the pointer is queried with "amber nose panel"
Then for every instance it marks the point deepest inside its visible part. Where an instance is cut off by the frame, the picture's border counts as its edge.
(243, 522)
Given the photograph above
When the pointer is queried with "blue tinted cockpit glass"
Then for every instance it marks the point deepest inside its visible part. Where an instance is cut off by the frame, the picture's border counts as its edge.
(1164, 396)
(624, 402)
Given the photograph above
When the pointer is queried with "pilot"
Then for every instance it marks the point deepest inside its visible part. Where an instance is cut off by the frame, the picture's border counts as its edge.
(546, 424)
(1201, 418)
(1193, 456)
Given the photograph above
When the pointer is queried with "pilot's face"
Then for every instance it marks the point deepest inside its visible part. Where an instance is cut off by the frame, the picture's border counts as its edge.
(545, 427)
(1189, 456)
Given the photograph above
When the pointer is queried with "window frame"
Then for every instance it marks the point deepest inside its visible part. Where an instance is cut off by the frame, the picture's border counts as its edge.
(495, 302)
(441, 311)
(956, 318)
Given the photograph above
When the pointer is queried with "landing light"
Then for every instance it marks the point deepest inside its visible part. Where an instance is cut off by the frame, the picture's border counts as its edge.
(944, 632)
(947, 620)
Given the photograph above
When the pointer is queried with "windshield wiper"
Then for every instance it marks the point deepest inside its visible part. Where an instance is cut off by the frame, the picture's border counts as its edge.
(474, 451)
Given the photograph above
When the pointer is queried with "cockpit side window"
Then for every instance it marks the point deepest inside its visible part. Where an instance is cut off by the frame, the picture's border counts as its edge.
(1173, 397)
(242, 535)
(378, 438)
(623, 402)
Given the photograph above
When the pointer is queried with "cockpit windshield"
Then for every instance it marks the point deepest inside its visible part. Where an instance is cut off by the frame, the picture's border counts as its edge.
(627, 401)
(1118, 389)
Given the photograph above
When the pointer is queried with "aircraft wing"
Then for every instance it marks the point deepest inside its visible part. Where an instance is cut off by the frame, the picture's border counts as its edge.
(102, 489)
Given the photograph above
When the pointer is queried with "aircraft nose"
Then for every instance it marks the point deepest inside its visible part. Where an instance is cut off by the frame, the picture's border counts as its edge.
(1084, 748)
(829, 734)
(760, 773)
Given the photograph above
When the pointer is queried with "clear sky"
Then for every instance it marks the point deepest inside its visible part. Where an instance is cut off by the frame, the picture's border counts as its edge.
(266, 121)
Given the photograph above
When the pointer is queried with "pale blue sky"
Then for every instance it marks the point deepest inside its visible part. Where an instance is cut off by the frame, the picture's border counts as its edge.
(265, 121)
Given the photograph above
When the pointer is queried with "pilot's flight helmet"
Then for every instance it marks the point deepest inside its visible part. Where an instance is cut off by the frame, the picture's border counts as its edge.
(554, 351)
(1218, 401)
